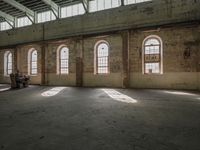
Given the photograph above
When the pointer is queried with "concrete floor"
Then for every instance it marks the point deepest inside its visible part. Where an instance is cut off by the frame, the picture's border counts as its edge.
(35, 118)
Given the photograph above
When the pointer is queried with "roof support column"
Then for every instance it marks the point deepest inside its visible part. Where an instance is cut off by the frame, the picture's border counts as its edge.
(86, 5)
(122, 2)
(8, 18)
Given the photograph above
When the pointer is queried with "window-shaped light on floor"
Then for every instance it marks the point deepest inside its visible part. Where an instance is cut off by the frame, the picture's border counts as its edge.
(115, 95)
(4, 89)
(53, 91)
(180, 93)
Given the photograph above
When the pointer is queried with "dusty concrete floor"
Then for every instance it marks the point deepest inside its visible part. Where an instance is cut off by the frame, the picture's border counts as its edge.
(89, 119)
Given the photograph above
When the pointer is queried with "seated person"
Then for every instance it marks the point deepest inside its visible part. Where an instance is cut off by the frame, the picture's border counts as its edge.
(21, 79)
(18, 79)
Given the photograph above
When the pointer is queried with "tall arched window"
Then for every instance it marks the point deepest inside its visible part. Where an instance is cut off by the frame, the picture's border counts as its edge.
(8, 63)
(152, 55)
(102, 57)
(63, 60)
(32, 62)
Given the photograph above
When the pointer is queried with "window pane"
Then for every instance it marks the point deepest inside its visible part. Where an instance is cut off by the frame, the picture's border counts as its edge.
(46, 16)
(69, 11)
(81, 9)
(34, 62)
(9, 71)
(108, 4)
(116, 3)
(64, 60)
(93, 6)
(100, 4)
(152, 68)
(64, 71)
(152, 46)
(102, 58)
(152, 41)
(34, 71)
(102, 50)
(4, 26)
(64, 53)
(23, 21)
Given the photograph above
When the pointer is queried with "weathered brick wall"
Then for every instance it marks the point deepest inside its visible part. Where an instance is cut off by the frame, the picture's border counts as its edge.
(4, 79)
(178, 72)
(22, 61)
(52, 78)
(113, 79)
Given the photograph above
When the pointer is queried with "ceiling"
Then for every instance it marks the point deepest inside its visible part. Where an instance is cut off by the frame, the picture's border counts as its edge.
(34, 5)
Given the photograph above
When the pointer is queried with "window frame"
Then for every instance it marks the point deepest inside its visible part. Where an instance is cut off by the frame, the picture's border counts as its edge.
(160, 55)
(31, 63)
(60, 61)
(96, 58)
(6, 63)
(59, 67)
(7, 68)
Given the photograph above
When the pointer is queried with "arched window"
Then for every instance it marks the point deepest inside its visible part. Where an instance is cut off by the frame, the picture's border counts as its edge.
(32, 62)
(8, 63)
(63, 60)
(152, 55)
(102, 57)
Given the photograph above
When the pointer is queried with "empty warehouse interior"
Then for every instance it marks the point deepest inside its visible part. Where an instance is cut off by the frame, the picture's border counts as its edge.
(103, 74)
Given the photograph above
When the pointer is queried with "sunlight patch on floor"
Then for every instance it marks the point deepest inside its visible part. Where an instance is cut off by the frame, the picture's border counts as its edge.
(119, 96)
(4, 89)
(180, 93)
(53, 91)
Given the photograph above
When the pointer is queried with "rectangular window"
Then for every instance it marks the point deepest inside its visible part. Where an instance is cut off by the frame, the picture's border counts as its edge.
(103, 64)
(152, 68)
(97, 5)
(23, 21)
(4, 26)
(64, 66)
(72, 10)
(45, 16)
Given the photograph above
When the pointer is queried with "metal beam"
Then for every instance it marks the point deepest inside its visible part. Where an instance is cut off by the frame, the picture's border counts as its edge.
(23, 8)
(85, 5)
(54, 7)
(122, 2)
(7, 16)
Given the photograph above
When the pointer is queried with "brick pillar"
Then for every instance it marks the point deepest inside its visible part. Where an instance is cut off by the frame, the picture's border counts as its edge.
(43, 64)
(79, 62)
(125, 59)
(15, 60)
